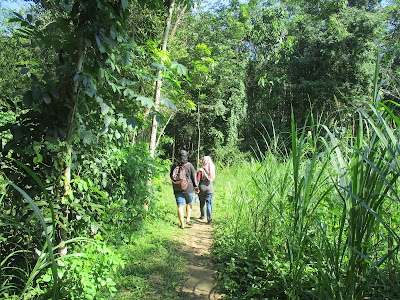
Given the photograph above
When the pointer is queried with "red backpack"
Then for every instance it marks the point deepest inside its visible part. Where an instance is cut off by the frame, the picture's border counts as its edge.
(179, 180)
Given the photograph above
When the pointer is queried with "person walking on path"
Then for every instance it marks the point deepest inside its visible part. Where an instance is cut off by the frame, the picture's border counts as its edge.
(205, 177)
(185, 194)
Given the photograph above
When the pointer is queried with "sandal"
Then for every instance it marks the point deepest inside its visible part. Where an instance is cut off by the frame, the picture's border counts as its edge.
(189, 223)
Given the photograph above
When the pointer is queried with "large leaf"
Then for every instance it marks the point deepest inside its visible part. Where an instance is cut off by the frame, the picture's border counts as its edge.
(158, 66)
(104, 108)
(24, 70)
(125, 4)
(108, 120)
(46, 98)
(167, 102)
(122, 122)
(145, 101)
(102, 49)
(28, 99)
(180, 69)
(131, 122)
(131, 93)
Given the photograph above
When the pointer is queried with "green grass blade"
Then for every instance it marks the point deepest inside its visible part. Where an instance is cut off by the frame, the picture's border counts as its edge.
(46, 194)
(48, 240)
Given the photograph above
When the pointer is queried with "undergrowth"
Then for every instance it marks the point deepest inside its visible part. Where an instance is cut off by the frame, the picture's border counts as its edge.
(320, 220)
(154, 266)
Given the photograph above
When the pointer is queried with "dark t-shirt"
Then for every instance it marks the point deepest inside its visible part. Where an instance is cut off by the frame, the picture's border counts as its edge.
(190, 176)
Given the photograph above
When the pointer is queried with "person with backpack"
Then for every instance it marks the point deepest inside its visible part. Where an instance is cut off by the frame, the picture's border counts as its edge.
(205, 177)
(184, 182)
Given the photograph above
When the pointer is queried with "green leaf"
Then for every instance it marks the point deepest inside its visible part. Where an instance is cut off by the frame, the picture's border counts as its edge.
(130, 92)
(46, 278)
(131, 123)
(61, 263)
(97, 206)
(99, 192)
(158, 66)
(107, 121)
(54, 93)
(145, 101)
(88, 42)
(14, 20)
(43, 223)
(122, 121)
(126, 59)
(167, 102)
(24, 70)
(180, 69)
(38, 158)
(102, 49)
(125, 4)
(28, 99)
(46, 99)
(36, 93)
(104, 108)
(112, 33)
(99, 99)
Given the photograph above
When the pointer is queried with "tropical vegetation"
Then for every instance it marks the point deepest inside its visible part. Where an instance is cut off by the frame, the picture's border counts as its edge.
(296, 101)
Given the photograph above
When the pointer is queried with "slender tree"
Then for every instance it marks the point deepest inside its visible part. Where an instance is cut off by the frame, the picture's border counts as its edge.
(158, 83)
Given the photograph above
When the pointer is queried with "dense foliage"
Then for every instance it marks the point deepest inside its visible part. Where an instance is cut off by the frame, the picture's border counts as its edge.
(70, 166)
(320, 223)
(85, 84)
(275, 56)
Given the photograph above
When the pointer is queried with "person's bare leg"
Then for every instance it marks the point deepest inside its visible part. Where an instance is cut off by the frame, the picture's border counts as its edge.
(188, 212)
(181, 215)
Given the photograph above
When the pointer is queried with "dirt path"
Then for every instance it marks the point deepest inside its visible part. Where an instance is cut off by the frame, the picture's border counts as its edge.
(197, 242)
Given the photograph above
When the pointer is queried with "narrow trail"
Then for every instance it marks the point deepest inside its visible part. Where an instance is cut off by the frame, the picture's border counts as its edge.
(200, 281)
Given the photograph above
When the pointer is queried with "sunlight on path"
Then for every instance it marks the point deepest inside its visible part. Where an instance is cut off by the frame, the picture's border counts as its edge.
(197, 241)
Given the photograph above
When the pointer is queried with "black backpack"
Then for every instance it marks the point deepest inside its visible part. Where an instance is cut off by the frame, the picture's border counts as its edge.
(179, 180)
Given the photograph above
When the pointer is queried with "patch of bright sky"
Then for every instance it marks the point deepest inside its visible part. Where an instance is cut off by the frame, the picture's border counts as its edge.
(15, 5)
(208, 4)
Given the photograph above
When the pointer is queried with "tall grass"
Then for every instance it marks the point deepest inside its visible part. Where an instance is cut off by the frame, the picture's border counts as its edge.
(26, 275)
(364, 178)
(314, 223)
(365, 173)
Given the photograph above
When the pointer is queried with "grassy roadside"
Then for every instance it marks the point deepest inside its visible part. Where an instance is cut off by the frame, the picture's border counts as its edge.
(154, 266)
(316, 224)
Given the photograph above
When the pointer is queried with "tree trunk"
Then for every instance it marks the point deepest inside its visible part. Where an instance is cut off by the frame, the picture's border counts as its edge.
(173, 149)
(163, 129)
(157, 93)
(198, 128)
(67, 171)
(178, 19)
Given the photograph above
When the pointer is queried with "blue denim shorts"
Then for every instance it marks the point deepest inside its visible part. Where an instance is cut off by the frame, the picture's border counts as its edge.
(181, 198)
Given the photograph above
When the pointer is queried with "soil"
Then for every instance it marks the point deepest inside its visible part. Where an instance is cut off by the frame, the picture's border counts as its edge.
(200, 281)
